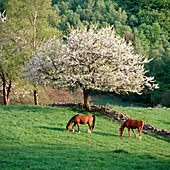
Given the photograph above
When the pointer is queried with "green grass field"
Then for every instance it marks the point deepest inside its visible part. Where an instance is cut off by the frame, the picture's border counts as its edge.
(35, 138)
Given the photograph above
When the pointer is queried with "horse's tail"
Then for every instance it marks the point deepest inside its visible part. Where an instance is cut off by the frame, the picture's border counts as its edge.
(94, 120)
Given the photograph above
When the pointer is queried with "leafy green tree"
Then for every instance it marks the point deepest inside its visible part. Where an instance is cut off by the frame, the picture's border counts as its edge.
(133, 21)
(100, 6)
(56, 9)
(30, 23)
(63, 7)
(12, 43)
(111, 14)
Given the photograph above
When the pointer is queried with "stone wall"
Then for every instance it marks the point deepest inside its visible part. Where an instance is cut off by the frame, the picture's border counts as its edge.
(112, 114)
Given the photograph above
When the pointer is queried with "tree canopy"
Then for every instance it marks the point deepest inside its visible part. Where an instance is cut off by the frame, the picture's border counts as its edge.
(28, 25)
(92, 59)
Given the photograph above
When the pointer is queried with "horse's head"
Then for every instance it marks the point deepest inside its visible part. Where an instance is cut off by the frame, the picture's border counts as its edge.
(68, 128)
(121, 131)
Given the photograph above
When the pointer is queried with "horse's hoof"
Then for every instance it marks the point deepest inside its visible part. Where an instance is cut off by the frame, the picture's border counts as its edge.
(139, 137)
(89, 131)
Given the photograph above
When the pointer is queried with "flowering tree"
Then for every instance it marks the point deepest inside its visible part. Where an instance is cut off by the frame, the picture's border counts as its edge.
(93, 59)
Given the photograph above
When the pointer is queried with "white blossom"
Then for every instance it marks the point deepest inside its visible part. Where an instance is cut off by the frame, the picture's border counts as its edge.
(92, 58)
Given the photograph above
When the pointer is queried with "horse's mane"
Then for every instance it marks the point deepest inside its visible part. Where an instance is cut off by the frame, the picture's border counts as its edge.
(71, 120)
(123, 124)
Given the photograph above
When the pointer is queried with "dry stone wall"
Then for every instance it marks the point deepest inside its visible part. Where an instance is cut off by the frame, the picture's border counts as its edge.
(112, 114)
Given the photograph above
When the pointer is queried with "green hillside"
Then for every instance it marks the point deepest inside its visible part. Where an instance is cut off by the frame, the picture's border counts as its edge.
(35, 138)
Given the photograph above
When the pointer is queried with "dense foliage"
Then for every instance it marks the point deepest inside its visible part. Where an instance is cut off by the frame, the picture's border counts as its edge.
(27, 25)
(145, 23)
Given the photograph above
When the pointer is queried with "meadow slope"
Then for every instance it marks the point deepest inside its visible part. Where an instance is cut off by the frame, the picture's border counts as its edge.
(35, 138)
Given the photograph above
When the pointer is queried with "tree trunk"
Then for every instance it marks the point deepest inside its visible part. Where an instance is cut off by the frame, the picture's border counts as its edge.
(86, 93)
(36, 99)
(7, 90)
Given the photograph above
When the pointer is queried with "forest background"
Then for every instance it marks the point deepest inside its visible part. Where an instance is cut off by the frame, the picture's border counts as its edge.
(145, 23)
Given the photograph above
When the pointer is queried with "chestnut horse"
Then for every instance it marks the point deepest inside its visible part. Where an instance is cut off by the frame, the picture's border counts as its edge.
(81, 119)
(132, 124)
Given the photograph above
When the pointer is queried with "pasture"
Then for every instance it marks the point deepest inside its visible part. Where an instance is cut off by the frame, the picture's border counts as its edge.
(35, 137)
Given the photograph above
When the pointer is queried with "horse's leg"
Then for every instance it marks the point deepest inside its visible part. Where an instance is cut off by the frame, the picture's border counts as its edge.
(134, 132)
(129, 131)
(89, 131)
(140, 131)
(73, 126)
(78, 127)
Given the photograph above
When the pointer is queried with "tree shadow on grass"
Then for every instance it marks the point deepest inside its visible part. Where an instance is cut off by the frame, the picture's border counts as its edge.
(51, 128)
(78, 110)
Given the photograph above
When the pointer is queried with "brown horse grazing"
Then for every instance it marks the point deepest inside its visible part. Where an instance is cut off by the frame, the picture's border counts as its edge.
(132, 124)
(81, 119)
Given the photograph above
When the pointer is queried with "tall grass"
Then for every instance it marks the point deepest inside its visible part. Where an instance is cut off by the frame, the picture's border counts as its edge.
(35, 138)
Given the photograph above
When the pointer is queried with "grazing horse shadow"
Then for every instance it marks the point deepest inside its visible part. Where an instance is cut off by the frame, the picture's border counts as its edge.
(51, 128)
(105, 134)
